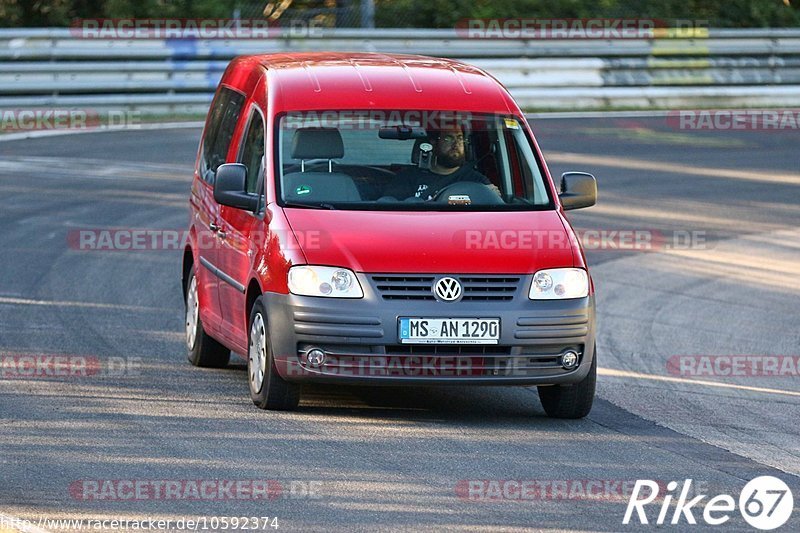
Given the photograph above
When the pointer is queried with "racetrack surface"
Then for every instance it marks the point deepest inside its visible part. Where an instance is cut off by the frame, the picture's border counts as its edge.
(393, 458)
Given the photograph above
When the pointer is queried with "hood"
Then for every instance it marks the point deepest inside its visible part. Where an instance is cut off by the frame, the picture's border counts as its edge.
(518, 242)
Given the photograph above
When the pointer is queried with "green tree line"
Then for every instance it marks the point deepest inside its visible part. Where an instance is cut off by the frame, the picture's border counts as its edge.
(415, 13)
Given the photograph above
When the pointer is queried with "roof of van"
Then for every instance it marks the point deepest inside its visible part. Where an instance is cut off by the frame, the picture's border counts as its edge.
(336, 80)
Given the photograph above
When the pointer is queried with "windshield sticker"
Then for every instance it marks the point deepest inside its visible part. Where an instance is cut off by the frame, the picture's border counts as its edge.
(302, 189)
(511, 124)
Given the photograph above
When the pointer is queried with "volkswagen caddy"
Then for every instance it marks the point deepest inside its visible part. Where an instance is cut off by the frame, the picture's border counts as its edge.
(370, 219)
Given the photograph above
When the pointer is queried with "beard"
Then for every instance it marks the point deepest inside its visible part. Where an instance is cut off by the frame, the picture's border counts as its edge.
(451, 159)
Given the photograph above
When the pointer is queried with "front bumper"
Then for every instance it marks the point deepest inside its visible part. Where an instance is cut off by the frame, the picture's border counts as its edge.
(360, 338)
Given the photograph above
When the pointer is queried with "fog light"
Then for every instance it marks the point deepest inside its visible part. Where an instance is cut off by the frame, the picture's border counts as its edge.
(569, 359)
(315, 357)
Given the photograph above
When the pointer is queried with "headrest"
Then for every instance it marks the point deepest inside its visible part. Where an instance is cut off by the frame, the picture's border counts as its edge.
(317, 143)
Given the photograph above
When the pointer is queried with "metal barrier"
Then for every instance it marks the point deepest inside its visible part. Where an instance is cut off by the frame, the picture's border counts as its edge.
(54, 68)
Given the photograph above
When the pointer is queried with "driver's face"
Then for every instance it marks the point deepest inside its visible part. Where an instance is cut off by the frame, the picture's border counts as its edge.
(450, 148)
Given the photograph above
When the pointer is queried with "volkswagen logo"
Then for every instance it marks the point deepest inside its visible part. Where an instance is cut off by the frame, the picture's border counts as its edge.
(447, 289)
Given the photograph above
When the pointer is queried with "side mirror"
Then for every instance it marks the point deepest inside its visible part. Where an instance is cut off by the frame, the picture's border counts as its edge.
(578, 189)
(229, 187)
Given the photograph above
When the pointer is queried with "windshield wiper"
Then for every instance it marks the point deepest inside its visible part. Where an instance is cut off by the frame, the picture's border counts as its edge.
(320, 205)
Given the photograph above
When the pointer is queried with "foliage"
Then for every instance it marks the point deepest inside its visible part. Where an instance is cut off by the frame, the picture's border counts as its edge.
(418, 13)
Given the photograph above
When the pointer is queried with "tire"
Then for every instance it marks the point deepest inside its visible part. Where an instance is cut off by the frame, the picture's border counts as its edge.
(203, 350)
(267, 389)
(570, 401)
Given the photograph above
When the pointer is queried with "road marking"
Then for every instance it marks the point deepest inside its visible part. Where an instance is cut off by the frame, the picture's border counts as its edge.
(675, 168)
(103, 170)
(610, 372)
(140, 127)
(615, 207)
(4, 300)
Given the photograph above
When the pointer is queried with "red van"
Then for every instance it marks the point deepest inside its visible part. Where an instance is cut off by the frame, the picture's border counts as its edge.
(380, 219)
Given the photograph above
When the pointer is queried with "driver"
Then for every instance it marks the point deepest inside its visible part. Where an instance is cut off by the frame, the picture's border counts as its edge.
(447, 167)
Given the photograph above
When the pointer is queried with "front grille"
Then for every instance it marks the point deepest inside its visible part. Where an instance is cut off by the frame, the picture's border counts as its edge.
(476, 287)
(404, 287)
(489, 288)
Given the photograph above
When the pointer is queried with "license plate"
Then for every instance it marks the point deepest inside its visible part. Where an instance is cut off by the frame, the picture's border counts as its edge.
(449, 330)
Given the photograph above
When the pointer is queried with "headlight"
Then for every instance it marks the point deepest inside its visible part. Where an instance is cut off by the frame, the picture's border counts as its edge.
(332, 282)
(559, 284)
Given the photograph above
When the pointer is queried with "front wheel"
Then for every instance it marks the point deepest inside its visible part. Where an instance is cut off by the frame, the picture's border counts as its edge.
(203, 350)
(267, 389)
(570, 401)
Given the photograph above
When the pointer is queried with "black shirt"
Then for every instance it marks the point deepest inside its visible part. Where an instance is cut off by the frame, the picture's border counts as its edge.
(425, 184)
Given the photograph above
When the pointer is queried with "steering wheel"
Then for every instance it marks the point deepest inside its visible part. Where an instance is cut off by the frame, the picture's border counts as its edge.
(478, 193)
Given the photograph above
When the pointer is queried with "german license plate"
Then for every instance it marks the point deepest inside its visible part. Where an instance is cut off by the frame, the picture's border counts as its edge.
(449, 330)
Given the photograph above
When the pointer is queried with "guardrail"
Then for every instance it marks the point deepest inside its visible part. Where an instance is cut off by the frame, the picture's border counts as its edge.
(54, 68)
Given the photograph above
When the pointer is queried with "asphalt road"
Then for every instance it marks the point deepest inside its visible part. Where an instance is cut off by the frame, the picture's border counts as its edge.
(363, 459)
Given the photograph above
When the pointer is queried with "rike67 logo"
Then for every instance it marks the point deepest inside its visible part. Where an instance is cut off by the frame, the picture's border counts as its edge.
(765, 503)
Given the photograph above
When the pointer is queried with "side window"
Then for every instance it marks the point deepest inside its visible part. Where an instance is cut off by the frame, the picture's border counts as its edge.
(520, 169)
(252, 153)
(224, 114)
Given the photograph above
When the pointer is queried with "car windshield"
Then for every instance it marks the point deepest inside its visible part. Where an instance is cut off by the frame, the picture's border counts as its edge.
(407, 160)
